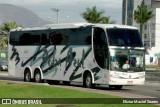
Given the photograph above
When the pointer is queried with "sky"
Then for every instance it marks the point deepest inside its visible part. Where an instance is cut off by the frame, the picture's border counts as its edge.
(69, 10)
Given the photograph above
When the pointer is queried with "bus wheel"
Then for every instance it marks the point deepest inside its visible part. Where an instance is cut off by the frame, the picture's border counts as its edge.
(27, 75)
(88, 81)
(66, 82)
(37, 76)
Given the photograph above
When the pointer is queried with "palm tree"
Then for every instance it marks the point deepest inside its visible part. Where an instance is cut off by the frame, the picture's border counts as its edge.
(4, 32)
(10, 25)
(142, 15)
(92, 15)
(3, 40)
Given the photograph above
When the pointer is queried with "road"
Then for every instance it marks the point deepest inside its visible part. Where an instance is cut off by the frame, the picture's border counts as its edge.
(150, 89)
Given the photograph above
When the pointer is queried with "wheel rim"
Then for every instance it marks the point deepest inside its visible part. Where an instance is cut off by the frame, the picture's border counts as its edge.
(37, 77)
(27, 77)
(88, 81)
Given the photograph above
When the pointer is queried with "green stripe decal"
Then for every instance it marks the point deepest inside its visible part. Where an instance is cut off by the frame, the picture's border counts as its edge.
(95, 71)
(84, 56)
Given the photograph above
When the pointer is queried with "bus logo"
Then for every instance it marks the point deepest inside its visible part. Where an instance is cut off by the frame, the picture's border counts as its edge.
(6, 101)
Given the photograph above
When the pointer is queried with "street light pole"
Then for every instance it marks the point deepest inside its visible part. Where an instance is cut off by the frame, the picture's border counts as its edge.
(57, 11)
(126, 12)
(149, 34)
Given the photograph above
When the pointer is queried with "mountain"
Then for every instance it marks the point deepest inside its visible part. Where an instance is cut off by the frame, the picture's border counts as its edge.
(20, 15)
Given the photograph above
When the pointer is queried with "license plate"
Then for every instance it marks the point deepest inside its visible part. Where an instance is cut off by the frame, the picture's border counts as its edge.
(130, 82)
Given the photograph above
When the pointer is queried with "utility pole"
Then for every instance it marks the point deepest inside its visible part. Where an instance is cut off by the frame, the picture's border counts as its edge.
(57, 12)
(149, 34)
(126, 12)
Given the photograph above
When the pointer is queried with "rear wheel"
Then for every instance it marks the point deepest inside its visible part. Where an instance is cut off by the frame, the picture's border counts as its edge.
(87, 82)
(27, 75)
(37, 77)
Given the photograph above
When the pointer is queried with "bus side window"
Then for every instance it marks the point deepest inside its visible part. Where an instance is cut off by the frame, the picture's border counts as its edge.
(44, 39)
(14, 38)
(25, 39)
(55, 38)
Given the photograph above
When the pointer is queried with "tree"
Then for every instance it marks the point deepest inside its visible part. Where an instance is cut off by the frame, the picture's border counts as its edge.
(142, 15)
(92, 15)
(10, 25)
(4, 32)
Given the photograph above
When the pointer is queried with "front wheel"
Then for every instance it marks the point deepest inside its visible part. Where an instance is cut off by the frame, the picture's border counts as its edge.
(88, 81)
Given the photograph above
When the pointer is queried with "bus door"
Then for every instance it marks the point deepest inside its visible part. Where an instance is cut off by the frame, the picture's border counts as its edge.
(100, 47)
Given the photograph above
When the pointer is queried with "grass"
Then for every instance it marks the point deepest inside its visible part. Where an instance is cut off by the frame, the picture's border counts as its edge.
(22, 90)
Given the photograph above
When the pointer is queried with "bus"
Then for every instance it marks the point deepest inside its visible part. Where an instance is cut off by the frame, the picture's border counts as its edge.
(91, 54)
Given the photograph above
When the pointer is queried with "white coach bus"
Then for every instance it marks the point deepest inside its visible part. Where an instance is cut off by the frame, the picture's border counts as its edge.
(92, 54)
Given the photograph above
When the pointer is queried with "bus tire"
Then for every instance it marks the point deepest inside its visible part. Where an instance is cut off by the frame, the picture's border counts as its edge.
(27, 75)
(87, 81)
(37, 77)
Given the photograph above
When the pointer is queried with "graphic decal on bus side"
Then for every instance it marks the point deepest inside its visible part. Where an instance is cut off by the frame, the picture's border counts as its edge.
(68, 59)
(84, 56)
(35, 60)
(95, 71)
(48, 58)
(15, 54)
(53, 63)
(65, 48)
(33, 57)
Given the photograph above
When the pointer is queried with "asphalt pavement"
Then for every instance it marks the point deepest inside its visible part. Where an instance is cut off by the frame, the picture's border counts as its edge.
(151, 88)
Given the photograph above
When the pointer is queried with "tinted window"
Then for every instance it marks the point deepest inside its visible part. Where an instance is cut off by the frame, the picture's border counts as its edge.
(58, 38)
(74, 36)
(14, 38)
(99, 36)
(124, 37)
(28, 39)
(100, 48)
(44, 39)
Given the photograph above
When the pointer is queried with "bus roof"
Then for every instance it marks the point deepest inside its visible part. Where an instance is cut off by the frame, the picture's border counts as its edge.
(114, 26)
(73, 25)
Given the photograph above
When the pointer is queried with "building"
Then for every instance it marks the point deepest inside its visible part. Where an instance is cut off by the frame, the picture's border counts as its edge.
(152, 27)
(127, 11)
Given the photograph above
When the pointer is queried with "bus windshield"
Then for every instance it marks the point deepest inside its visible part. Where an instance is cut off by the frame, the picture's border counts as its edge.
(127, 60)
(124, 37)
